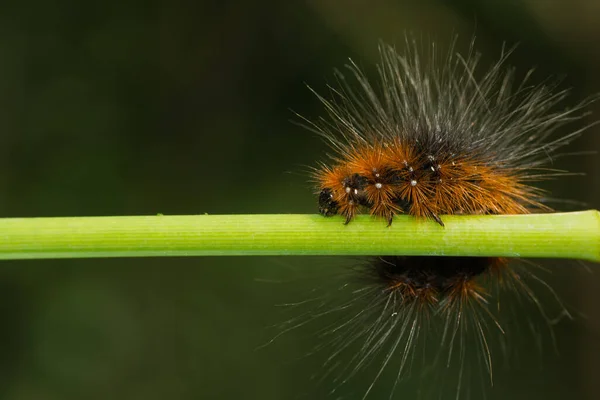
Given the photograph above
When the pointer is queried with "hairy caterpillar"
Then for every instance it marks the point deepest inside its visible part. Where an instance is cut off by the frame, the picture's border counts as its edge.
(434, 136)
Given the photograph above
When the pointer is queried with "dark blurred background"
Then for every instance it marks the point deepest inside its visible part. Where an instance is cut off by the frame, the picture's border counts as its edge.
(184, 107)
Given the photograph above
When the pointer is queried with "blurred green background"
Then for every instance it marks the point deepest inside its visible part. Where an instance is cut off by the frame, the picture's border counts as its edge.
(184, 107)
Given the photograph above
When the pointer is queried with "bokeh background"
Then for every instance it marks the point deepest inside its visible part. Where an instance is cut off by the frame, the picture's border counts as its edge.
(184, 107)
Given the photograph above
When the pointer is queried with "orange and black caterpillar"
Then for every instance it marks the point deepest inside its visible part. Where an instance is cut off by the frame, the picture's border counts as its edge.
(404, 176)
(435, 140)
(435, 136)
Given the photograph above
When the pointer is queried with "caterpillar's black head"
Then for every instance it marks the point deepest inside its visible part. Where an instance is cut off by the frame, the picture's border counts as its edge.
(327, 206)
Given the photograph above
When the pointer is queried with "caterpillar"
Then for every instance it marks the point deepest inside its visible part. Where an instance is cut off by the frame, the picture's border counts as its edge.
(435, 135)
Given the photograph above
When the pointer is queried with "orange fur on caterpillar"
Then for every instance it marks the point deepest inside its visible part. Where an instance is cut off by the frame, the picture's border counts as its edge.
(433, 138)
(393, 178)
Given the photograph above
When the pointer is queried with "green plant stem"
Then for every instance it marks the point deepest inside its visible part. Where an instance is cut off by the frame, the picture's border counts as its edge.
(561, 235)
